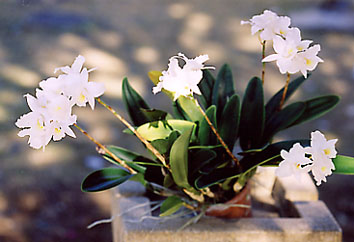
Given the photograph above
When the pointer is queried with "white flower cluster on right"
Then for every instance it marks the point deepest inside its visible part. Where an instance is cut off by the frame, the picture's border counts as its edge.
(292, 53)
(316, 158)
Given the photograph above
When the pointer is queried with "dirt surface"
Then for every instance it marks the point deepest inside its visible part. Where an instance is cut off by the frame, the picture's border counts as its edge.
(40, 197)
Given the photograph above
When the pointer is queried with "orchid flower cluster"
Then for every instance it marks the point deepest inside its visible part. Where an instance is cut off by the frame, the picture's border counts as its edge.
(191, 160)
(51, 108)
(315, 158)
(182, 81)
(292, 53)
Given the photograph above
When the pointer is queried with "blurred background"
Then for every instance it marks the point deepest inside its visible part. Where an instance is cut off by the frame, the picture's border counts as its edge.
(40, 196)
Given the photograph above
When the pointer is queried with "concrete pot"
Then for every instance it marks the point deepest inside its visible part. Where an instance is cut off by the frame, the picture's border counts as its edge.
(283, 210)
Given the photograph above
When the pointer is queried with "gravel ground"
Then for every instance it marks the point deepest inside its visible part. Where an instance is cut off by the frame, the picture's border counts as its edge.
(40, 197)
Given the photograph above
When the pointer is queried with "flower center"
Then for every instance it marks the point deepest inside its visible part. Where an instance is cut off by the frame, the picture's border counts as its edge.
(327, 151)
(323, 168)
(39, 125)
(308, 62)
(82, 98)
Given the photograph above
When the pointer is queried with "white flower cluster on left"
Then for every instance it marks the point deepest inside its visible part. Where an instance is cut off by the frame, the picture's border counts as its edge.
(316, 158)
(51, 108)
(292, 54)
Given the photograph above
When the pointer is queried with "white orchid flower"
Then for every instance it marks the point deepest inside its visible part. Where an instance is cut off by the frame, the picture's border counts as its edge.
(182, 81)
(33, 125)
(77, 85)
(286, 50)
(308, 59)
(295, 162)
(322, 167)
(269, 25)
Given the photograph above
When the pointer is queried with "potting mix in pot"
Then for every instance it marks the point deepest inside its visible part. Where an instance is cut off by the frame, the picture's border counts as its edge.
(191, 162)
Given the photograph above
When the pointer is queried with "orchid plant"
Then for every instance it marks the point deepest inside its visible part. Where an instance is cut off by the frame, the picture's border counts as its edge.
(191, 162)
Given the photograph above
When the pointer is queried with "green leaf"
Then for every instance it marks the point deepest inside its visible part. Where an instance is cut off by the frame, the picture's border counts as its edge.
(179, 159)
(190, 108)
(161, 145)
(168, 181)
(161, 131)
(104, 179)
(205, 134)
(154, 114)
(223, 88)
(206, 88)
(164, 145)
(178, 111)
(133, 160)
(282, 120)
(344, 165)
(273, 104)
(252, 115)
(139, 178)
(127, 155)
(230, 119)
(171, 205)
(134, 103)
(317, 107)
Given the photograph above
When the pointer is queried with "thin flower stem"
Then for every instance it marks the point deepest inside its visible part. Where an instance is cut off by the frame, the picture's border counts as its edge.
(126, 123)
(263, 63)
(218, 135)
(121, 162)
(285, 91)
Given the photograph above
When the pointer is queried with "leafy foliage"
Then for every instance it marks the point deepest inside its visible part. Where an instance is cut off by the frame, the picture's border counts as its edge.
(197, 166)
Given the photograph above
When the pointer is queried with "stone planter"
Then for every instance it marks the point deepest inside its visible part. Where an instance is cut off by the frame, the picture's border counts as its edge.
(283, 210)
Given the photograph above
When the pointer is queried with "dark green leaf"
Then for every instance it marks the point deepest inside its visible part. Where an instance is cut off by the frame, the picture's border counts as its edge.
(179, 159)
(104, 179)
(283, 119)
(164, 145)
(171, 205)
(178, 111)
(230, 119)
(205, 134)
(154, 114)
(134, 103)
(168, 181)
(344, 165)
(206, 88)
(223, 88)
(252, 115)
(317, 107)
(273, 104)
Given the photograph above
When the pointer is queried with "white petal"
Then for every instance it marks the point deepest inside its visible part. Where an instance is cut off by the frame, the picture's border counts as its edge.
(271, 57)
(78, 63)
